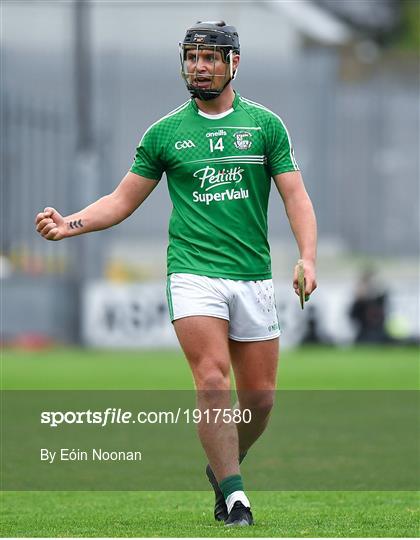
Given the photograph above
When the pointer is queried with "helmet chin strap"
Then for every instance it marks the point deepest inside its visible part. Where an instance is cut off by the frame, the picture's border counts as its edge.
(206, 95)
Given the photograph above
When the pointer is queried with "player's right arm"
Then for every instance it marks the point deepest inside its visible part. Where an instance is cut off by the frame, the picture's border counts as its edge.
(102, 214)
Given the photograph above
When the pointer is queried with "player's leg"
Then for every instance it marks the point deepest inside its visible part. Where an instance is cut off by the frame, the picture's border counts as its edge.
(205, 344)
(199, 309)
(255, 367)
(254, 349)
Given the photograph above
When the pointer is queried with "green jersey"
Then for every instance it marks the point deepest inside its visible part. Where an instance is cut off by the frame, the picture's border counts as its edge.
(219, 170)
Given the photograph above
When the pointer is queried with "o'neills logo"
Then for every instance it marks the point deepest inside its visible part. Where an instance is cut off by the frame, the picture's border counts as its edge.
(210, 179)
(218, 133)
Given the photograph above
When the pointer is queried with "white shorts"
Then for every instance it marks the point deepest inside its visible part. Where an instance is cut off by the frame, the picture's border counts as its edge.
(249, 306)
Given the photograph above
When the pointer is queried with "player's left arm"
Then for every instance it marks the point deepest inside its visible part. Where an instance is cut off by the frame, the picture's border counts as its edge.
(301, 215)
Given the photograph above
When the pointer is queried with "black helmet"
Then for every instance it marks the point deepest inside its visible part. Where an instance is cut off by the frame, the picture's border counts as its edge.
(215, 35)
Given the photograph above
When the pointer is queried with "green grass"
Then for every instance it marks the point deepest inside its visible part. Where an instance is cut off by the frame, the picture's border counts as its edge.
(189, 514)
(325, 368)
(180, 514)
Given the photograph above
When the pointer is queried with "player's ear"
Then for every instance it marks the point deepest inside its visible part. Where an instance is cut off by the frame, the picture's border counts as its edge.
(235, 61)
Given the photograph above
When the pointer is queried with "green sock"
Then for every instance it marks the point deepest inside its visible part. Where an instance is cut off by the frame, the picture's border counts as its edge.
(230, 484)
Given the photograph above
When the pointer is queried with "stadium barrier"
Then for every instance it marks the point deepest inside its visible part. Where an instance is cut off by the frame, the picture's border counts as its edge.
(136, 315)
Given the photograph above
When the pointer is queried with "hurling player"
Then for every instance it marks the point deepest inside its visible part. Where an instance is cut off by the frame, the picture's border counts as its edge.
(220, 152)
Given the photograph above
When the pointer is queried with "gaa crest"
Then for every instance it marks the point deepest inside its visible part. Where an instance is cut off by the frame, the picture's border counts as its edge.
(242, 140)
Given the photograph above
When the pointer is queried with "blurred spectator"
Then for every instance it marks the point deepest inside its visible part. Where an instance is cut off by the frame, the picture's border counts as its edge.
(313, 333)
(368, 309)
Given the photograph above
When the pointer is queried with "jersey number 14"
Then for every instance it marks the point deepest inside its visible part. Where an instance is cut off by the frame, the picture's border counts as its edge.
(217, 146)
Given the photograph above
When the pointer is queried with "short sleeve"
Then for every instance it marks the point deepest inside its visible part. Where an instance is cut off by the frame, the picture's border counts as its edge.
(280, 152)
(148, 161)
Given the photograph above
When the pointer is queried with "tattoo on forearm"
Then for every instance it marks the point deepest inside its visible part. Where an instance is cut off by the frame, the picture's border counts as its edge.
(76, 224)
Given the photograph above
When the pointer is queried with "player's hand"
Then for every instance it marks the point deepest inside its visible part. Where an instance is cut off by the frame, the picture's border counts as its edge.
(50, 224)
(310, 277)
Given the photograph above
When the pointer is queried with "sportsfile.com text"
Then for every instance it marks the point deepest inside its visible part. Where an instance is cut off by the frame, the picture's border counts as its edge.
(119, 416)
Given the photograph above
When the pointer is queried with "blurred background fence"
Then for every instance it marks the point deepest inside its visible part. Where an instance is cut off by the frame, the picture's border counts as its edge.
(89, 77)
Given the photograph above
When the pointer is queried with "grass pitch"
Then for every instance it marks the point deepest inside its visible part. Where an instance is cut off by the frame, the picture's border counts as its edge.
(189, 514)
(307, 368)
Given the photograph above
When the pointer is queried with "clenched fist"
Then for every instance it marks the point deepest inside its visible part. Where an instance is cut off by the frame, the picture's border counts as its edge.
(50, 224)
(310, 277)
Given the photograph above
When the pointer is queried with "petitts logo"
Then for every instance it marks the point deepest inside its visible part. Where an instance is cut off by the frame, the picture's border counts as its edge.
(210, 179)
(242, 140)
(184, 144)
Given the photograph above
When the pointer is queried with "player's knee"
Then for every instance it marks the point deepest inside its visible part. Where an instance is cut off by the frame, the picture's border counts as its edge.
(260, 402)
(212, 375)
(213, 381)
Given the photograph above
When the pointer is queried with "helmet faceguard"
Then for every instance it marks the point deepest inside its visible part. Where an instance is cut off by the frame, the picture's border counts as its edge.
(211, 36)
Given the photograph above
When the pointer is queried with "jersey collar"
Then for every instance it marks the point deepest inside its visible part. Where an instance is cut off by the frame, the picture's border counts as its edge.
(217, 116)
